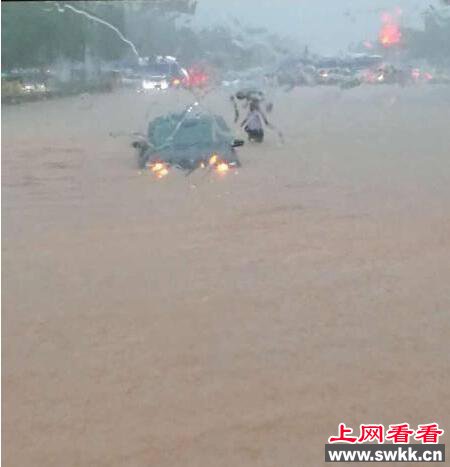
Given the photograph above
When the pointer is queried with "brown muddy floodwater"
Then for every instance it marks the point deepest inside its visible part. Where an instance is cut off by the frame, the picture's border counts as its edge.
(223, 321)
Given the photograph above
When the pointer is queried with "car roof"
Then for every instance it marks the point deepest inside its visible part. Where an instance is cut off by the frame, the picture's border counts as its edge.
(196, 136)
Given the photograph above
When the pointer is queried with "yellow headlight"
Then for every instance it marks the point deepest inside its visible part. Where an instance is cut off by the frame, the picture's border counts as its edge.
(213, 159)
(159, 169)
(222, 168)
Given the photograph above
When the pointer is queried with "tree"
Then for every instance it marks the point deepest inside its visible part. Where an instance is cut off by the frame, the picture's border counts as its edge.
(37, 34)
(433, 42)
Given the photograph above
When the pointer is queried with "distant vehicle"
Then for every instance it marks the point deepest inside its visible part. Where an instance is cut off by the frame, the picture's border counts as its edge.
(252, 78)
(23, 82)
(161, 74)
(197, 77)
(386, 74)
(333, 76)
(189, 140)
(315, 70)
(32, 86)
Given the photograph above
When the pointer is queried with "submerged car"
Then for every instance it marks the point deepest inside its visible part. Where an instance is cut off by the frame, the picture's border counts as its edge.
(189, 140)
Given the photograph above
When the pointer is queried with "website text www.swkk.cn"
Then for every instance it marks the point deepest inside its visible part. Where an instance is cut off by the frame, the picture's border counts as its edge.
(411, 453)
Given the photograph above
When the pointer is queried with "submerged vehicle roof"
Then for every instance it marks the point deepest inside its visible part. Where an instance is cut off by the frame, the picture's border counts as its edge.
(181, 130)
(190, 136)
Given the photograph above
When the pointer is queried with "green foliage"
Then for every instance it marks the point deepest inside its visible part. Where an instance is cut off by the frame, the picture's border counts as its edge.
(36, 33)
(433, 42)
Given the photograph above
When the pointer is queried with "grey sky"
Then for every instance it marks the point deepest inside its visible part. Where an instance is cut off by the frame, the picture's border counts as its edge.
(326, 25)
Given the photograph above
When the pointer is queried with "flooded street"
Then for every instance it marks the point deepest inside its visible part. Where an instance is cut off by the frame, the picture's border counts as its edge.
(207, 320)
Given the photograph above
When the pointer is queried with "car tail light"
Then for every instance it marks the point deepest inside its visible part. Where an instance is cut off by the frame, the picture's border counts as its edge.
(219, 165)
(160, 169)
(222, 168)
